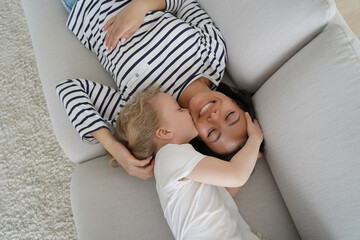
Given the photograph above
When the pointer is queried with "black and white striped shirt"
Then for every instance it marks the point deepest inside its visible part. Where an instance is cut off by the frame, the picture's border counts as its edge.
(171, 49)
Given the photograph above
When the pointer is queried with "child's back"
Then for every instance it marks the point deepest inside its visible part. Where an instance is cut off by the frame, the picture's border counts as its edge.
(195, 210)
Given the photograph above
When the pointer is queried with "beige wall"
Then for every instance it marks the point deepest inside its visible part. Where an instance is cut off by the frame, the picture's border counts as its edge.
(350, 10)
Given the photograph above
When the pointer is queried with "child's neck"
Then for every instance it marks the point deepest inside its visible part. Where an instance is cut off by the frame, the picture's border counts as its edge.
(158, 146)
(160, 143)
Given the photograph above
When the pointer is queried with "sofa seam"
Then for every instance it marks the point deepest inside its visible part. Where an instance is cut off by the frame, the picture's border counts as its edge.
(349, 36)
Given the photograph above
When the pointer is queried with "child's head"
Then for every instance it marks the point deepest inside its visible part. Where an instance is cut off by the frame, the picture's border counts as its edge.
(152, 120)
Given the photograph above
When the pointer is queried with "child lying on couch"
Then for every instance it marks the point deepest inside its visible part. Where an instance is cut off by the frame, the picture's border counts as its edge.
(190, 185)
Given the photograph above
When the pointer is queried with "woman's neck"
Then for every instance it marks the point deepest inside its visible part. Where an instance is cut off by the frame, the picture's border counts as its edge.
(199, 85)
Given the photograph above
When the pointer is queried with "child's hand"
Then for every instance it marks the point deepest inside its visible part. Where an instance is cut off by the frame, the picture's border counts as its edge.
(253, 128)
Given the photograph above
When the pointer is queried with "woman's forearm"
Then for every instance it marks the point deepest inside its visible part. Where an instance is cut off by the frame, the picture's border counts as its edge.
(109, 142)
(153, 5)
(105, 137)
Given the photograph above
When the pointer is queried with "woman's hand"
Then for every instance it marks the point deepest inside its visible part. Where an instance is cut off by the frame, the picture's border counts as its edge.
(143, 169)
(124, 24)
(128, 20)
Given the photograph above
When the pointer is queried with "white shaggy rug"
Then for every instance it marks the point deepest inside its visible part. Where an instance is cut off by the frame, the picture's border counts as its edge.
(34, 172)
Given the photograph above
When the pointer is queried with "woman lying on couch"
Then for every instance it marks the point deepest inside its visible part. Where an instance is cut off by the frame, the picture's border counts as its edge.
(173, 44)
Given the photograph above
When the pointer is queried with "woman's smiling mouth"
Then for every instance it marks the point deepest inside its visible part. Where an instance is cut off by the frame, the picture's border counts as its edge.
(204, 107)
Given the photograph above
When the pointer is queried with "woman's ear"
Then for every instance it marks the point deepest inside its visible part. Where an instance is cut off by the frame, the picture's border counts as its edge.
(163, 133)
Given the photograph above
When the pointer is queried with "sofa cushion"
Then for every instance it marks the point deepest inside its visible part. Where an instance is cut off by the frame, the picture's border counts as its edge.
(59, 56)
(262, 206)
(109, 204)
(261, 35)
(310, 111)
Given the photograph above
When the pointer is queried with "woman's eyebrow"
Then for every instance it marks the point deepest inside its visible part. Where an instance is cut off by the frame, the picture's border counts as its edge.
(235, 121)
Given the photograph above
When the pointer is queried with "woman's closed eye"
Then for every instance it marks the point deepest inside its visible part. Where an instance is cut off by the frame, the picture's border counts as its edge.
(229, 115)
(211, 132)
(232, 118)
(213, 135)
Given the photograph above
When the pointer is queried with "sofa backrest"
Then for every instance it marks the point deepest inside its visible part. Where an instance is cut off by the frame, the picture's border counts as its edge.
(262, 35)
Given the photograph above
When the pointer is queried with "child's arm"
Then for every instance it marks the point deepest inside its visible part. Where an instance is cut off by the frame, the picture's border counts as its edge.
(235, 173)
(233, 191)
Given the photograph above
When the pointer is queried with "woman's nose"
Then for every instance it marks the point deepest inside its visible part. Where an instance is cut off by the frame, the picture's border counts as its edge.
(214, 116)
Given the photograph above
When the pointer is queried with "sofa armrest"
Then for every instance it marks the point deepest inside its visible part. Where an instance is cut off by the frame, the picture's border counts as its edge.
(309, 111)
(59, 55)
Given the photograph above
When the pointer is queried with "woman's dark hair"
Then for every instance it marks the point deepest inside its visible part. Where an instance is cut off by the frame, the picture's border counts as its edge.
(244, 101)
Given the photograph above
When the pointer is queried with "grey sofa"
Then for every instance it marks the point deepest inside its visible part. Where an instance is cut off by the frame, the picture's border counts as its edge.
(303, 64)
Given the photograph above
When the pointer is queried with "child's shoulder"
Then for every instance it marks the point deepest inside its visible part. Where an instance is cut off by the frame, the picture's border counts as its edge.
(178, 151)
(175, 147)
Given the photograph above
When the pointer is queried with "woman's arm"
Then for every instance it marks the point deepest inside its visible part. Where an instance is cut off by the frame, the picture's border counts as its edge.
(90, 107)
(235, 173)
(128, 20)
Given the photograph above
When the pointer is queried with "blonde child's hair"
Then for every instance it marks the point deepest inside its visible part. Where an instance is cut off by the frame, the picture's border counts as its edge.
(136, 125)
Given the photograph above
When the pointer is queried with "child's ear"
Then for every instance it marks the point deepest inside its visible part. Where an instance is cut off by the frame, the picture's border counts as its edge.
(163, 133)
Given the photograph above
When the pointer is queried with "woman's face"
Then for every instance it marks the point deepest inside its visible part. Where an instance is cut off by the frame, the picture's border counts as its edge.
(220, 122)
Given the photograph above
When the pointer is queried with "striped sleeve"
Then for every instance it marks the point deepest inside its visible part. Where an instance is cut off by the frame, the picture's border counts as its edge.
(171, 6)
(89, 105)
(191, 12)
(175, 5)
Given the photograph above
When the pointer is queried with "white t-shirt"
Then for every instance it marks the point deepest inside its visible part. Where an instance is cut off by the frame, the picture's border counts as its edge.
(195, 210)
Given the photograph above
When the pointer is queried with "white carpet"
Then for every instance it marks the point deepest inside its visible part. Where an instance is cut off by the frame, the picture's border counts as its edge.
(34, 172)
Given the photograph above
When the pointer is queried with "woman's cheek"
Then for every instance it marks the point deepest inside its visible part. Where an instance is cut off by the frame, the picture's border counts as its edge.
(201, 131)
